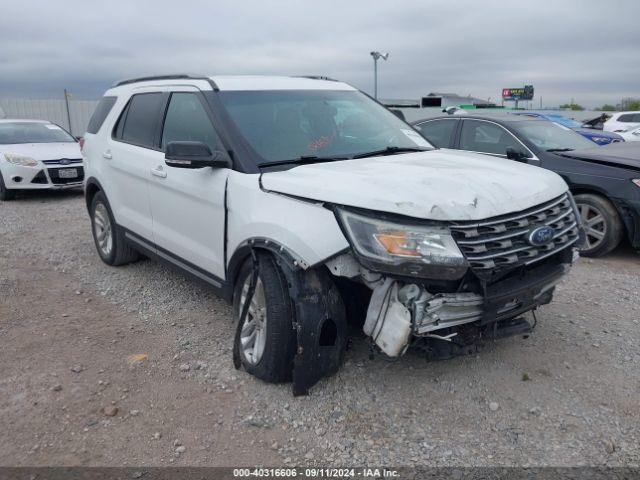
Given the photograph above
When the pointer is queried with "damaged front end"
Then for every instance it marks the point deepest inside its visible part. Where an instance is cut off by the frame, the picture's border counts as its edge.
(455, 284)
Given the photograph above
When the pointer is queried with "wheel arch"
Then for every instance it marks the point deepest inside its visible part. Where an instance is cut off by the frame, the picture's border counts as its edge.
(91, 187)
(317, 305)
(592, 190)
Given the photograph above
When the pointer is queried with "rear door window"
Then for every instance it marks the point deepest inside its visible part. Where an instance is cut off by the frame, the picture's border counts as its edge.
(438, 132)
(141, 120)
(486, 137)
(100, 114)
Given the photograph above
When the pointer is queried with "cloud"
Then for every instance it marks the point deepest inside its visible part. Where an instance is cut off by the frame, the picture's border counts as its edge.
(585, 50)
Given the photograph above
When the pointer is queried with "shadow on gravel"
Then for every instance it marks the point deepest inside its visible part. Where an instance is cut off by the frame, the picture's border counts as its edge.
(622, 253)
(47, 195)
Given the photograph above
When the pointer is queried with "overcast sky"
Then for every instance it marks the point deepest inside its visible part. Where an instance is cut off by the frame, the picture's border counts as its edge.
(586, 50)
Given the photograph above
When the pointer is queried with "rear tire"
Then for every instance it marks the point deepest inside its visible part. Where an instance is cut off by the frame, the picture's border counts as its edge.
(6, 194)
(109, 239)
(602, 225)
(271, 314)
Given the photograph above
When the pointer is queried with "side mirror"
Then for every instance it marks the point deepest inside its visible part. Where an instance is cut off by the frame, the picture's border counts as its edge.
(517, 155)
(186, 154)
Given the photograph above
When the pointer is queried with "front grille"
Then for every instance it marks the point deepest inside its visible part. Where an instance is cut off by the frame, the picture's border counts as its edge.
(55, 176)
(502, 242)
(62, 161)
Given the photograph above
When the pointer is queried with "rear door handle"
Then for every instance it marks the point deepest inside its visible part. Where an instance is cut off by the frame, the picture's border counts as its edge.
(159, 172)
(107, 155)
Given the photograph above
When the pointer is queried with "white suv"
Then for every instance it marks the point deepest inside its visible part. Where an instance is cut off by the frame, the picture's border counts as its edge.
(622, 121)
(307, 204)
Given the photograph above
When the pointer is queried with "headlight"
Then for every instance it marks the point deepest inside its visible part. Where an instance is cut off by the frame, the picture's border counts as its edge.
(403, 249)
(636, 181)
(20, 160)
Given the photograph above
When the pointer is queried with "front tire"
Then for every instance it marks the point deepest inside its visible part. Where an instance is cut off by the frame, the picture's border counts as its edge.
(5, 193)
(267, 340)
(109, 240)
(601, 223)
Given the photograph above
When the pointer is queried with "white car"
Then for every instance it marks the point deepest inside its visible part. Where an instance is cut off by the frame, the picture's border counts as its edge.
(631, 135)
(307, 204)
(36, 155)
(622, 121)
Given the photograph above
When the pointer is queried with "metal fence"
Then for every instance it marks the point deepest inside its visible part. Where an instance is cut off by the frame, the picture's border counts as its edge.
(55, 111)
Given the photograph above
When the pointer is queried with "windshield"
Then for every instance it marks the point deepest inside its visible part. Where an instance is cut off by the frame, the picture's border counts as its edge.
(287, 125)
(25, 132)
(551, 136)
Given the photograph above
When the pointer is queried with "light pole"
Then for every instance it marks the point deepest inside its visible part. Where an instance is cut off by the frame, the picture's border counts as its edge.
(376, 56)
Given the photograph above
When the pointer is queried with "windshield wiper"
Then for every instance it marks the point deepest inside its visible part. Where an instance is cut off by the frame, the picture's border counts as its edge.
(560, 150)
(303, 160)
(389, 151)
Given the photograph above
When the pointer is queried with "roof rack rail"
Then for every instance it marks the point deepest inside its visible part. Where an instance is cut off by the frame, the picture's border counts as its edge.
(177, 76)
(318, 77)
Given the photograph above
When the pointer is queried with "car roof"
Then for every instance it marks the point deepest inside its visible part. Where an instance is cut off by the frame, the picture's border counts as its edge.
(233, 83)
(263, 82)
(22, 120)
(498, 118)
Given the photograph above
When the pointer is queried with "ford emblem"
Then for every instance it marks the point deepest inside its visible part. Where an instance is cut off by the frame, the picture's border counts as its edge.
(541, 236)
(64, 161)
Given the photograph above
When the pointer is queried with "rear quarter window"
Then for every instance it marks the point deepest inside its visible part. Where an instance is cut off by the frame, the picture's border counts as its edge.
(100, 114)
(438, 132)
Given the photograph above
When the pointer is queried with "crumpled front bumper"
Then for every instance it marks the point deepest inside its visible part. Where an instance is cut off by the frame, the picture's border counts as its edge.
(398, 310)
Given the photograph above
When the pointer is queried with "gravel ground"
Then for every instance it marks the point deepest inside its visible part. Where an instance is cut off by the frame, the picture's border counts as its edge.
(132, 366)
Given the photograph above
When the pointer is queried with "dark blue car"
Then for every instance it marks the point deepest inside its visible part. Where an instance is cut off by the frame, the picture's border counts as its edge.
(597, 136)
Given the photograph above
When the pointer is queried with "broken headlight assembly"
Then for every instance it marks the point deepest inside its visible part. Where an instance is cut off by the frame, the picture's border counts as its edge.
(426, 251)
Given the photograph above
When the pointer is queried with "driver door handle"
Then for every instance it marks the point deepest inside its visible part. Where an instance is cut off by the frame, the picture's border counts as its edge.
(107, 155)
(159, 172)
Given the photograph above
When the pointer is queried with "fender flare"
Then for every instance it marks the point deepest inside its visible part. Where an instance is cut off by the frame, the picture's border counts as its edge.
(243, 252)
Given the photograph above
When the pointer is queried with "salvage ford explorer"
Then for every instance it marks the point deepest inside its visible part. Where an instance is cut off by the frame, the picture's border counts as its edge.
(307, 204)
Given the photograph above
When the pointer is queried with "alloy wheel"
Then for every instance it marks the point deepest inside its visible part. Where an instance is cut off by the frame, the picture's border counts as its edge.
(594, 225)
(253, 336)
(102, 229)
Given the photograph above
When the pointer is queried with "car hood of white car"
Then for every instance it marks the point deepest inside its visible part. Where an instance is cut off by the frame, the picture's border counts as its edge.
(436, 185)
(44, 151)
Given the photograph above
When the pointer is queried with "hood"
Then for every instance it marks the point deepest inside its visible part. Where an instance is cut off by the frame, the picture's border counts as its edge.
(623, 154)
(435, 185)
(44, 151)
(592, 132)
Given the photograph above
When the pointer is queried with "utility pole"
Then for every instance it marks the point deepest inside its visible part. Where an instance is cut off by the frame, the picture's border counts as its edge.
(376, 56)
(66, 102)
